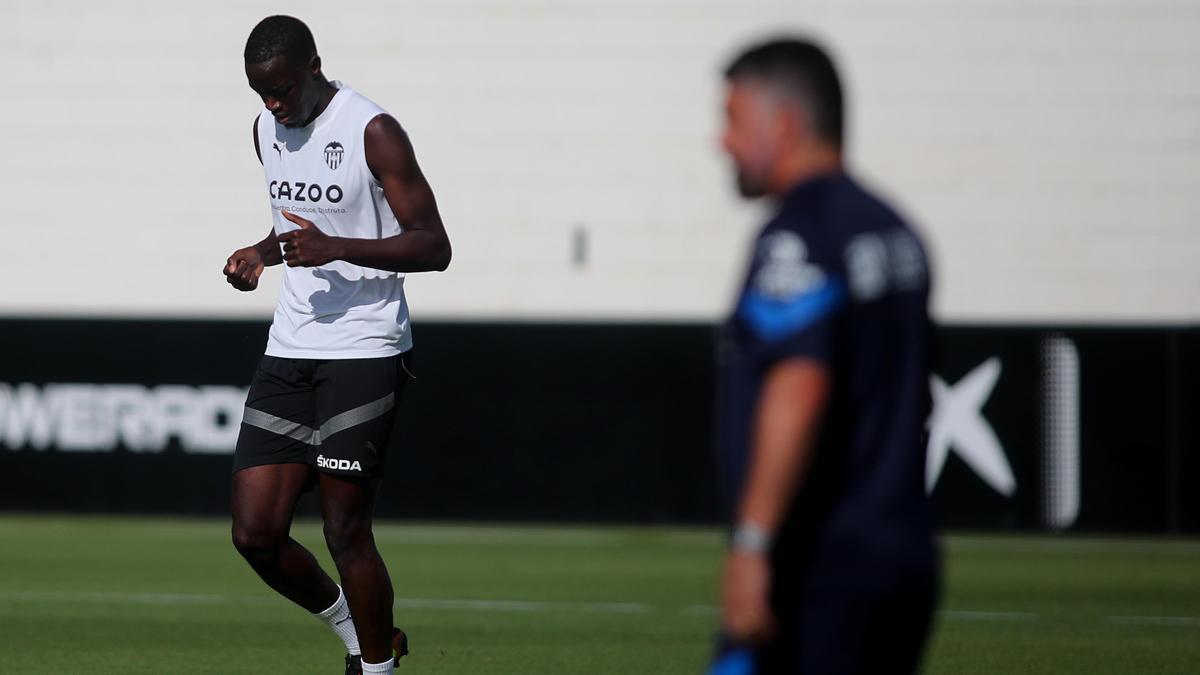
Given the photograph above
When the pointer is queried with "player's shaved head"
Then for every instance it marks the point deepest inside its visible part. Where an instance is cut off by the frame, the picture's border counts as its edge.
(280, 35)
(801, 71)
(283, 68)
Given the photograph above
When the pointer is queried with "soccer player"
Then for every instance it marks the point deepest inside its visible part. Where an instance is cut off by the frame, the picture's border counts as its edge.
(832, 566)
(351, 214)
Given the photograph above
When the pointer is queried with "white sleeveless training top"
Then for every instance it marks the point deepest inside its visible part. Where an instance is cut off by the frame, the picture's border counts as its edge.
(319, 172)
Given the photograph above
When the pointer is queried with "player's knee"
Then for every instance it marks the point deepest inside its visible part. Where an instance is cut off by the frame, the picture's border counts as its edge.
(256, 543)
(346, 540)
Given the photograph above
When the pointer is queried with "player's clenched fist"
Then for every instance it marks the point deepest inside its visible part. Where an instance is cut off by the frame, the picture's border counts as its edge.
(243, 268)
(307, 246)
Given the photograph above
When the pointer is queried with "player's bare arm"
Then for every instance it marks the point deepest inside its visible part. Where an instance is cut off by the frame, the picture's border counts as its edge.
(794, 397)
(423, 246)
(245, 265)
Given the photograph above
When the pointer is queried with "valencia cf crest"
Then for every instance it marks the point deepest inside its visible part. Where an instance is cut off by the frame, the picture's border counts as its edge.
(333, 155)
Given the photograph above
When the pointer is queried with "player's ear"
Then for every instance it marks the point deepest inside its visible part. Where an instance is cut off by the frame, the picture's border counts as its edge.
(314, 65)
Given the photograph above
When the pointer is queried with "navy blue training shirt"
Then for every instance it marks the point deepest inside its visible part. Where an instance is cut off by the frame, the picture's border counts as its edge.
(838, 278)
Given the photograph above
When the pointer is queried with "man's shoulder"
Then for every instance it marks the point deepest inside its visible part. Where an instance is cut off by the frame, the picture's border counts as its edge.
(881, 253)
(855, 208)
(859, 235)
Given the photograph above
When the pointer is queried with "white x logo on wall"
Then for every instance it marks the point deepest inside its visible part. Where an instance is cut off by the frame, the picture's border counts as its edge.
(957, 424)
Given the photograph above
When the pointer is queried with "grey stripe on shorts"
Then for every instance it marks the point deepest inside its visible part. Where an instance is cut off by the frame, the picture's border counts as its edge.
(306, 434)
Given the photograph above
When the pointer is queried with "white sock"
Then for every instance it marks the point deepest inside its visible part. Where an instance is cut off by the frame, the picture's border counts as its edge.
(338, 618)
(385, 667)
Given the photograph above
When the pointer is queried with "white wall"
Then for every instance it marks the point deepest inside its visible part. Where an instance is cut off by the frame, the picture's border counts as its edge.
(1049, 149)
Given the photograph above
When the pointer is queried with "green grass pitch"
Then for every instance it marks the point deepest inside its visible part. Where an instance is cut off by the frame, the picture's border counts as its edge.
(124, 596)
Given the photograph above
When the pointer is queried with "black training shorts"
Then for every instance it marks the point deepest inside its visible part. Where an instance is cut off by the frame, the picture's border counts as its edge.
(335, 415)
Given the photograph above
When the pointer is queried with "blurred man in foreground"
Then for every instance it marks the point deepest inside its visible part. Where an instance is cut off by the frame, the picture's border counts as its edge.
(832, 566)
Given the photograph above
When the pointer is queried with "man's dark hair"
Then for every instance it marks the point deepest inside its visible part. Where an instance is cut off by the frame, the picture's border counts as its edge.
(280, 35)
(800, 70)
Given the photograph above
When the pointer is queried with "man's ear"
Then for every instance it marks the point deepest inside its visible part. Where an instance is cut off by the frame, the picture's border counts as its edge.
(314, 66)
(795, 123)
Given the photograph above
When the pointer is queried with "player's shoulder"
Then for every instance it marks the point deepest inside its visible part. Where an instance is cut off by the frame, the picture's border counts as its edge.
(356, 108)
(377, 122)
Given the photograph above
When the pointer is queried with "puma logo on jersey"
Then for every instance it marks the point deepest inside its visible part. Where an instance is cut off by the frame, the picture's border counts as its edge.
(278, 149)
(324, 462)
(304, 192)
